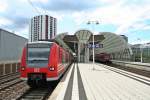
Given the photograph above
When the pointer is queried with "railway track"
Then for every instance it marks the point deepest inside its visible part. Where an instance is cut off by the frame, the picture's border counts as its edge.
(41, 93)
(10, 91)
(8, 79)
(129, 74)
(36, 94)
(11, 86)
(8, 75)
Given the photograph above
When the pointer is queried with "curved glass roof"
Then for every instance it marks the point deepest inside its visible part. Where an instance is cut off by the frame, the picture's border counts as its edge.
(113, 43)
(59, 39)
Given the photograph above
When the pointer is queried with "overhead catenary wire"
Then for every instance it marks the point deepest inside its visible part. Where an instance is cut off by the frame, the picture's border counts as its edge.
(43, 8)
(29, 1)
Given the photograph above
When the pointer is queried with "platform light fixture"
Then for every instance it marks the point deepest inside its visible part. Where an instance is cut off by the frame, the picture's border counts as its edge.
(93, 23)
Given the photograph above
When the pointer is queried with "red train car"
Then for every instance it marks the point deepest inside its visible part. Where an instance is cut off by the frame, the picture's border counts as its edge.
(103, 57)
(43, 62)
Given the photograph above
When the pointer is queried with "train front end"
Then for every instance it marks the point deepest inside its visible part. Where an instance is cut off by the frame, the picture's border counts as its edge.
(35, 63)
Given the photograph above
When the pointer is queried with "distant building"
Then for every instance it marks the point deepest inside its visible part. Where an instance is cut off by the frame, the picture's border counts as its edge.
(42, 28)
(11, 46)
(125, 38)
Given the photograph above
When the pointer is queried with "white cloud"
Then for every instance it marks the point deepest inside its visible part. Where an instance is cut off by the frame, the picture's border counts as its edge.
(106, 14)
(24, 32)
(58, 15)
(3, 6)
(42, 1)
(140, 42)
(138, 16)
(5, 22)
(114, 12)
(80, 17)
(119, 14)
(146, 27)
(109, 1)
(139, 26)
(33, 1)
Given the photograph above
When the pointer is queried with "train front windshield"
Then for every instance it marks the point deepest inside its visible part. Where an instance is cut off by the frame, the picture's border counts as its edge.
(38, 55)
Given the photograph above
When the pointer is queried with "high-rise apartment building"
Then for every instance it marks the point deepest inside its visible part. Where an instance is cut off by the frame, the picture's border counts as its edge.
(42, 28)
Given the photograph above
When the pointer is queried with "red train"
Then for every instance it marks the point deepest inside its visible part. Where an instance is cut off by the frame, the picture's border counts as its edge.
(102, 57)
(44, 62)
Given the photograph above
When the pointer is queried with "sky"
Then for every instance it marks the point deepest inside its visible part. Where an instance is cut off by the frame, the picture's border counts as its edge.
(122, 17)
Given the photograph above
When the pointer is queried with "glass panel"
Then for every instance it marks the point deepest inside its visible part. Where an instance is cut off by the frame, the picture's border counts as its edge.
(38, 55)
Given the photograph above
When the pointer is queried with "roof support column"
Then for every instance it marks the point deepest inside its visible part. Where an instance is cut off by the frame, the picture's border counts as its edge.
(87, 53)
(78, 52)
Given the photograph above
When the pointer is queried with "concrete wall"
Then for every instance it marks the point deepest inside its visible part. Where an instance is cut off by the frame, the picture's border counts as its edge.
(11, 46)
(9, 67)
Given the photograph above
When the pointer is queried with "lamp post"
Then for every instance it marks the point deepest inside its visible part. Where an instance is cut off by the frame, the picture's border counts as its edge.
(93, 23)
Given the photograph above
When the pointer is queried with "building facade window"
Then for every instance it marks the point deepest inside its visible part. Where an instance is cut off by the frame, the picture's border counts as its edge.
(43, 27)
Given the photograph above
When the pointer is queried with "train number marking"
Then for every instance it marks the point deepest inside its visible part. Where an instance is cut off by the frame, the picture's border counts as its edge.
(36, 70)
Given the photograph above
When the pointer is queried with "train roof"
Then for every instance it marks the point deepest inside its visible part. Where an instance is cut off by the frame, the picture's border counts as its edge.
(43, 42)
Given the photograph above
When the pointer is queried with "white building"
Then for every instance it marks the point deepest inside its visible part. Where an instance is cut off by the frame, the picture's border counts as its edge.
(42, 28)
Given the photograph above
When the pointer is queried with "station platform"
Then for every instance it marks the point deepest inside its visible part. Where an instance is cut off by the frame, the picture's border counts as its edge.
(101, 83)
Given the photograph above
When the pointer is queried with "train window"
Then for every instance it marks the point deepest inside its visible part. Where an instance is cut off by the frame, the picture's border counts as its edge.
(60, 55)
(63, 57)
(37, 56)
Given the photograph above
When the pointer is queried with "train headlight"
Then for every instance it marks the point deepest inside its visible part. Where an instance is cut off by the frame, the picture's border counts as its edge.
(22, 68)
(51, 68)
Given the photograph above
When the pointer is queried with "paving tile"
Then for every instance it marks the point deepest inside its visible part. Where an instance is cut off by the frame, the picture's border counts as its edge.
(103, 84)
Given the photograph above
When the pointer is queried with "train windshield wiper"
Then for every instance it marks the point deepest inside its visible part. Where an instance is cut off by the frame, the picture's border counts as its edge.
(38, 59)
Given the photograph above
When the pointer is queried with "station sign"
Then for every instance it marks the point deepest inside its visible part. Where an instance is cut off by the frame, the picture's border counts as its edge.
(96, 45)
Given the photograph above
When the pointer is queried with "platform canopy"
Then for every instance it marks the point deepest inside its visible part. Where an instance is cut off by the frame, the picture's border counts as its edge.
(112, 43)
(81, 37)
(85, 36)
(116, 45)
(59, 40)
